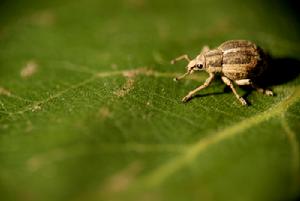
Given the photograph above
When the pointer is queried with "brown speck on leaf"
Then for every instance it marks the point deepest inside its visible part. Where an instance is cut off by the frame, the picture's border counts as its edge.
(136, 3)
(163, 29)
(43, 18)
(158, 58)
(104, 56)
(29, 69)
(150, 196)
(38, 161)
(5, 126)
(126, 88)
(114, 66)
(34, 163)
(36, 107)
(29, 126)
(147, 72)
(121, 180)
(130, 73)
(104, 113)
(4, 91)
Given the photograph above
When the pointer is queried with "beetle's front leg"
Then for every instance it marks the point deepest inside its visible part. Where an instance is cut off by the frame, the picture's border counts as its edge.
(193, 92)
(185, 56)
(229, 83)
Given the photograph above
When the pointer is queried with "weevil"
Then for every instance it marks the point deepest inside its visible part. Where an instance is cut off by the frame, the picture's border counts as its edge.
(238, 62)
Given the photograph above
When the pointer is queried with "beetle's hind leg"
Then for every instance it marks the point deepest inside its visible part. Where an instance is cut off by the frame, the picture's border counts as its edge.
(243, 82)
(229, 83)
(249, 82)
(267, 92)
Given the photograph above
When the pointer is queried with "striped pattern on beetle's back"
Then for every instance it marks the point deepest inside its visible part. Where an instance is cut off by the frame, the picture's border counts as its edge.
(241, 60)
(214, 58)
(232, 44)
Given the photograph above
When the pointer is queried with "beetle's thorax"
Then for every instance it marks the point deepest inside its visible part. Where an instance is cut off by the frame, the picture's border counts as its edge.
(213, 61)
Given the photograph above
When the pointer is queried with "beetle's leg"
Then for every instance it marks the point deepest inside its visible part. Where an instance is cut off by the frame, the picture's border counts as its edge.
(185, 56)
(229, 83)
(243, 82)
(193, 92)
(267, 92)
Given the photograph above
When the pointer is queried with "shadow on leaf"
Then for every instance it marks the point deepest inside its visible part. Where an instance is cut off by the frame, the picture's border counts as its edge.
(209, 94)
(280, 71)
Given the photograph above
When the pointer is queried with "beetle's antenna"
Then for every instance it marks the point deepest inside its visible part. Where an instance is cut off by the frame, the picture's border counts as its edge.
(185, 56)
(182, 76)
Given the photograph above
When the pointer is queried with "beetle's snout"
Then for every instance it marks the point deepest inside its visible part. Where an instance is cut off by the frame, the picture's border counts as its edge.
(189, 71)
(191, 67)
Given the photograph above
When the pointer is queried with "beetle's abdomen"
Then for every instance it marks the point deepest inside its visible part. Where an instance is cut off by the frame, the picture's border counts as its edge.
(241, 60)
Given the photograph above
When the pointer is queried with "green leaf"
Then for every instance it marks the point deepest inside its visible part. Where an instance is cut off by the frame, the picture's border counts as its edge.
(89, 110)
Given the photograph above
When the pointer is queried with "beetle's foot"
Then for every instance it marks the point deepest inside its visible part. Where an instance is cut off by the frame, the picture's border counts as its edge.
(243, 101)
(269, 92)
(173, 61)
(186, 98)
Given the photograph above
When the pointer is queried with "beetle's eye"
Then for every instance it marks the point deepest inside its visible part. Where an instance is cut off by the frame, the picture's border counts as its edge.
(199, 65)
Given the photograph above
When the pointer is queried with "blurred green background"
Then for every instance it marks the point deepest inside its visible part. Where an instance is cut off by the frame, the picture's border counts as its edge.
(89, 111)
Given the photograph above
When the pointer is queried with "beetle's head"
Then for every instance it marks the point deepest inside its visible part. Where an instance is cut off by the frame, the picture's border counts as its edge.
(196, 64)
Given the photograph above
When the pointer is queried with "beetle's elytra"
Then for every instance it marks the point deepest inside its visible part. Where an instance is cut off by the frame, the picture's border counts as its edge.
(237, 61)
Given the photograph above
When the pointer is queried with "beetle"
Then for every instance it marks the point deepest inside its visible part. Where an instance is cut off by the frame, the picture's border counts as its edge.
(238, 62)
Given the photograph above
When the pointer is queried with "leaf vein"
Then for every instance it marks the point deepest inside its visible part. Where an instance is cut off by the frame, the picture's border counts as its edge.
(166, 170)
(295, 165)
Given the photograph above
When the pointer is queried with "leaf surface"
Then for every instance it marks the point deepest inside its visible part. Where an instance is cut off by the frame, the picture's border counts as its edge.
(89, 109)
